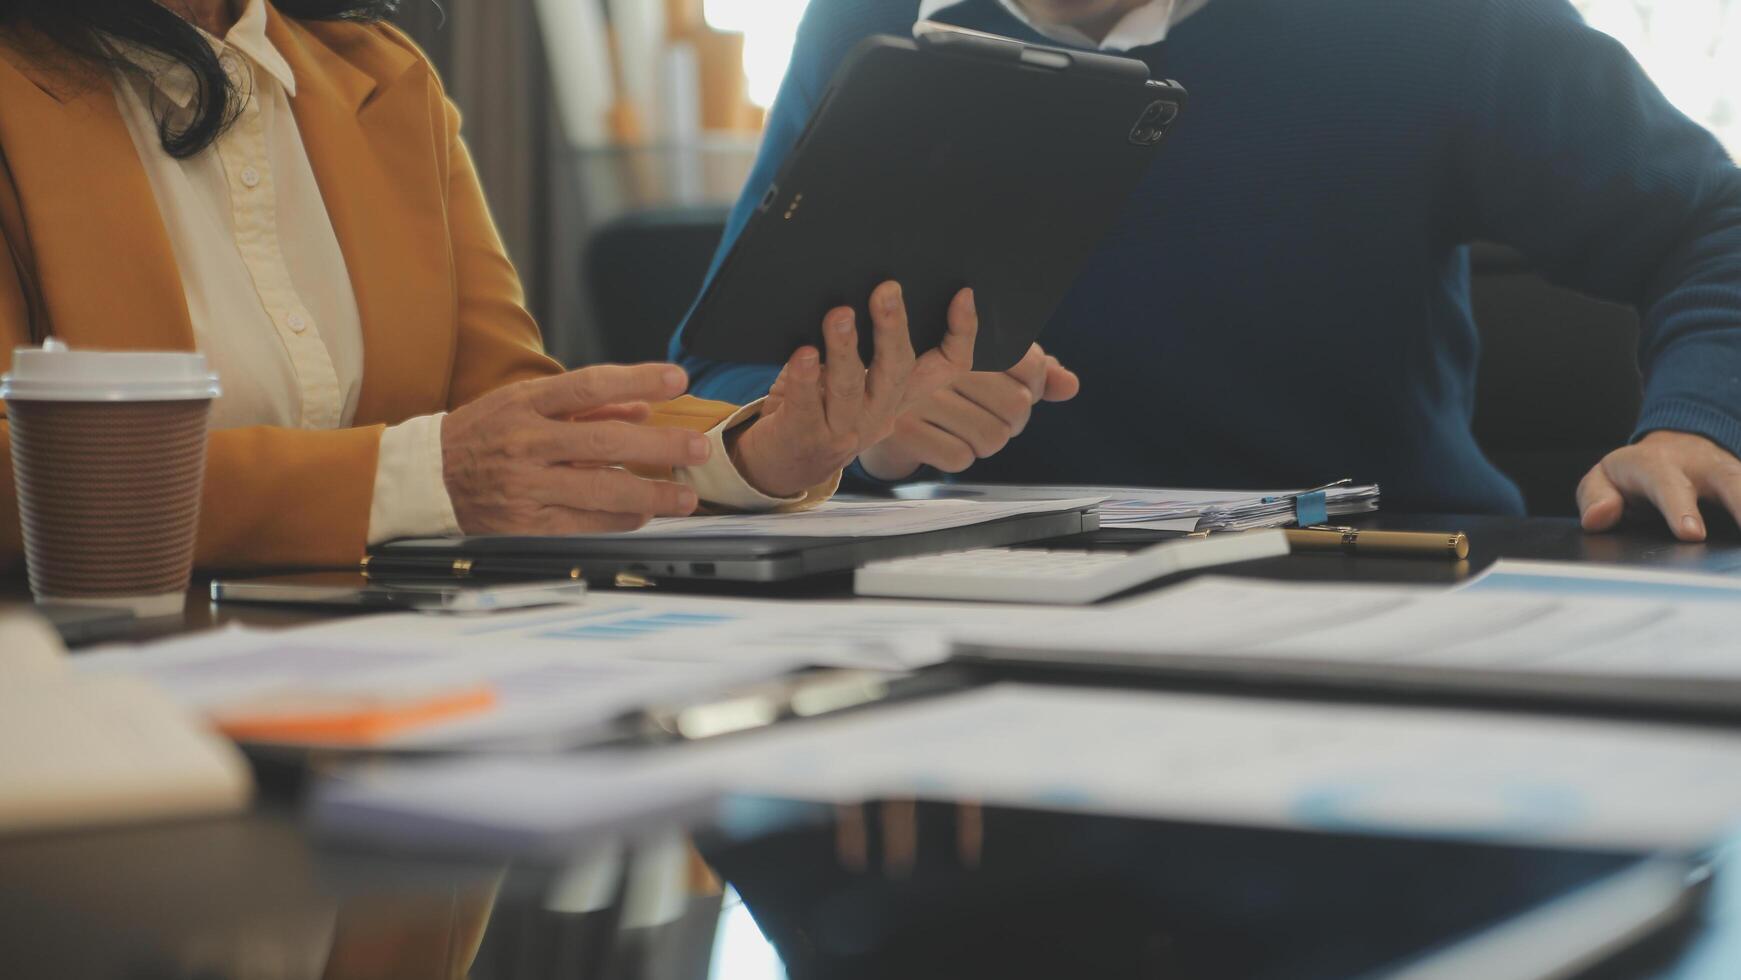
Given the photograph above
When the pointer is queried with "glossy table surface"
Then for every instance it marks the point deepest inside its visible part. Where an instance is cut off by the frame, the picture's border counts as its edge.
(256, 896)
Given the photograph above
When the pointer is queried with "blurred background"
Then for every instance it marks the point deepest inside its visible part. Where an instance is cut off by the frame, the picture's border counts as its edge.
(611, 134)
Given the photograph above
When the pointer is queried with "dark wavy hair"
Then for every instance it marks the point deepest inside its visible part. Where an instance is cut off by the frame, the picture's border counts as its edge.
(90, 29)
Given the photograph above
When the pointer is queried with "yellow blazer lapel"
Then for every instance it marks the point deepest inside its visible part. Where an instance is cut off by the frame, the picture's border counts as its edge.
(382, 173)
(102, 259)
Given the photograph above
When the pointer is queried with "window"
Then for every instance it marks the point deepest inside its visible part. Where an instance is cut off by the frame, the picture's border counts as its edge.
(769, 28)
(1691, 48)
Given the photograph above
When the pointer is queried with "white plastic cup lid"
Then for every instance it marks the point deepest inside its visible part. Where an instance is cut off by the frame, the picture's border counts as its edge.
(56, 373)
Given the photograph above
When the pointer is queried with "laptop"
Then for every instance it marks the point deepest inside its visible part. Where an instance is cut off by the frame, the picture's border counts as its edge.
(656, 555)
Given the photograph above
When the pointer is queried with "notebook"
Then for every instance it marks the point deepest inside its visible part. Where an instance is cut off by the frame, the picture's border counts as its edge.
(81, 751)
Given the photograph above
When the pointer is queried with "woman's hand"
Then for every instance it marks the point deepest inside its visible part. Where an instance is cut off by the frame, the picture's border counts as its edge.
(819, 417)
(972, 418)
(544, 457)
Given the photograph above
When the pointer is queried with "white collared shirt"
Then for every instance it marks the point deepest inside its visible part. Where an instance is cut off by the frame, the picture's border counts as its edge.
(1146, 25)
(267, 287)
(268, 291)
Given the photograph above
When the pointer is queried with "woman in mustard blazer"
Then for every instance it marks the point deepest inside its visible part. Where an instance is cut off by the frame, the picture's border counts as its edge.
(283, 187)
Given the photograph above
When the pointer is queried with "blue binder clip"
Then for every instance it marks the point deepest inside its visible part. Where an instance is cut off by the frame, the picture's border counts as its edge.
(1311, 507)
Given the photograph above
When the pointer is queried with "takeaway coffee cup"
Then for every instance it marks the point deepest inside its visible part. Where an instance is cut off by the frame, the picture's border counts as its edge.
(109, 449)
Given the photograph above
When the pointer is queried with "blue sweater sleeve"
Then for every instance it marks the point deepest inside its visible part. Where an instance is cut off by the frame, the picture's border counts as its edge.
(742, 383)
(1571, 154)
(829, 30)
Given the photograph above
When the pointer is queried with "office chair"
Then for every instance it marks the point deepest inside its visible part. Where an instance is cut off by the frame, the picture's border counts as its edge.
(1559, 385)
(645, 270)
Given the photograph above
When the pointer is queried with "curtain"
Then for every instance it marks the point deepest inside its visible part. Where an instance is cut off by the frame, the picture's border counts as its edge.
(490, 58)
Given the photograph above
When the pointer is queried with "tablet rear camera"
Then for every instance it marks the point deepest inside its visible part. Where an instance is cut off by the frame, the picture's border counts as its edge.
(1154, 122)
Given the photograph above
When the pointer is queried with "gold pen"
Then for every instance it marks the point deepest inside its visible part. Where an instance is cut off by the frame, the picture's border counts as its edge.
(1398, 544)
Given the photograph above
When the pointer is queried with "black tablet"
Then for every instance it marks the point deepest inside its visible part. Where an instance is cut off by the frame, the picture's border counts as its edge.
(956, 159)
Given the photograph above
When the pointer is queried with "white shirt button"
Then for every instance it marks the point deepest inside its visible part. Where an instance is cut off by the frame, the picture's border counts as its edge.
(250, 177)
(296, 322)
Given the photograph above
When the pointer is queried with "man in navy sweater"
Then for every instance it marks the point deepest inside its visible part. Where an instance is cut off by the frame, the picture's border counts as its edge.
(1286, 298)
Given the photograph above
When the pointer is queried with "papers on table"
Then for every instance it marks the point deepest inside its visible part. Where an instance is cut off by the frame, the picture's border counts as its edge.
(1337, 768)
(858, 519)
(697, 631)
(557, 677)
(855, 518)
(1591, 580)
(1277, 510)
(553, 678)
(1655, 652)
(540, 697)
(507, 806)
(1157, 509)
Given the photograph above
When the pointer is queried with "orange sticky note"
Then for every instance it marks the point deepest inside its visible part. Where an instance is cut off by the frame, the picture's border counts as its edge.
(349, 724)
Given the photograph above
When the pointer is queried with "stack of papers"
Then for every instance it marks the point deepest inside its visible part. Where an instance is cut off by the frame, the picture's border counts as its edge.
(339, 690)
(1332, 767)
(508, 806)
(1558, 637)
(1163, 509)
(533, 680)
(1277, 509)
(850, 517)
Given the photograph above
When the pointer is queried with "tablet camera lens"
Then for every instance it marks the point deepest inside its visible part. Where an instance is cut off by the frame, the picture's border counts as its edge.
(1154, 122)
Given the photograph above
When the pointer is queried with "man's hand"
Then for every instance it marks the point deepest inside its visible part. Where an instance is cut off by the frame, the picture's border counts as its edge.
(1672, 471)
(819, 417)
(971, 419)
(545, 457)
